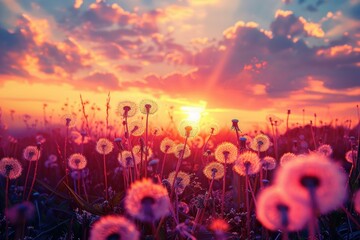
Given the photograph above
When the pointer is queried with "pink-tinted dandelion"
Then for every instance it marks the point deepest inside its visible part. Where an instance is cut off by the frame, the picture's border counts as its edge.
(277, 212)
(136, 128)
(127, 109)
(114, 227)
(214, 170)
(147, 201)
(268, 163)
(351, 156)
(325, 150)
(77, 161)
(32, 154)
(315, 182)
(182, 180)
(10, 168)
(104, 147)
(260, 143)
(188, 129)
(287, 157)
(182, 151)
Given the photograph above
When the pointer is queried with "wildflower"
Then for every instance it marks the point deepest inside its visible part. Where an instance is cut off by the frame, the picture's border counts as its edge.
(127, 109)
(147, 201)
(20, 212)
(351, 155)
(235, 124)
(286, 158)
(214, 170)
(104, 146)
(31, 153)
(268, 163)
(183, 207)
(247, 163)
(316, 175)
(10, 167)
(114, 227)
(180, 152)
(136, 128)
(325, 149)
(126, 160)
(219, 225)
(260, 143)
(77, 161)
(167, 145)
(226, 152)
(188, 129)
(357, 201)
(182, 180)
(148, 106)
(275, 211)
(69, 120)
(274, 120)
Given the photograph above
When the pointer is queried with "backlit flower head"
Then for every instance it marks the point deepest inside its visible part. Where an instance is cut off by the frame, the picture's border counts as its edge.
(274, 120)
(188, 128)
(167, 145)
(226, 151)
(287, 157)
(126, 160)
(197, 142)
(126, 109)
(183, 207)
(180, 152)
(181, 181)
(235, 124)
(104, 146)
(147, 201)
(260, 142)
(247, 163)
(214, 170)
(148, 106)
(325, 178)
(77, 161)
(31, 153)
(325, 149)
(276, 211)
(268, 163)
(68, 120)
(114, 227)
(136, 128)
(211, 128)
(20, 212)
(357, 201)
(10, 167)
(351, 155)
(219, 225)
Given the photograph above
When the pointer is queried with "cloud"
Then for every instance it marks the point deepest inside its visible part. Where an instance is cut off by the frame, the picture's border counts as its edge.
(99, 80)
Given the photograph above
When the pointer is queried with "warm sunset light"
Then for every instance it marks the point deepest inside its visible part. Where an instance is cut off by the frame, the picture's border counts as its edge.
(181, 119)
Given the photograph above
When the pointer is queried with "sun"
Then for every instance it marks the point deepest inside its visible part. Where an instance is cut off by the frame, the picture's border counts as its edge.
(193, 114)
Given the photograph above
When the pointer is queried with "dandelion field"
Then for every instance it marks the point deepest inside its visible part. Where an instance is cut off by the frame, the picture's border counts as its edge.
(87, 178)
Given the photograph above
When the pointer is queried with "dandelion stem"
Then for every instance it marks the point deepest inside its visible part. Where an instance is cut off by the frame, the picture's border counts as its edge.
(26, 179)
(7, 192)
(223, 190)
(105, 178)
(247, 205)
(146, 142)
(35, 174)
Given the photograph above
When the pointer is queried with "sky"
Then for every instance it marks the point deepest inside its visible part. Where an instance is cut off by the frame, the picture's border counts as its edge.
(241, 59)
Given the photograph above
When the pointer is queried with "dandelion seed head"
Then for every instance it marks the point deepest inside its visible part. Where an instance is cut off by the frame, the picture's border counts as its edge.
(104, 146)
(188, 128)
(148, 106)
(325, 149)
(214, 170)
(77, 161)
(167, 145)
(137, 150)
(275, 211)
(247, 163)
(117, 227)
(126, 159)
(260, 142)
(180, 152)
(10, 167)
(147, 201)
(327, 178)
(181, 182)
(268, 163)
(136, 128)
(226, 152)
(31, 153)
(126, 109)
(69, 119)
(197, 142)
(287, 157)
